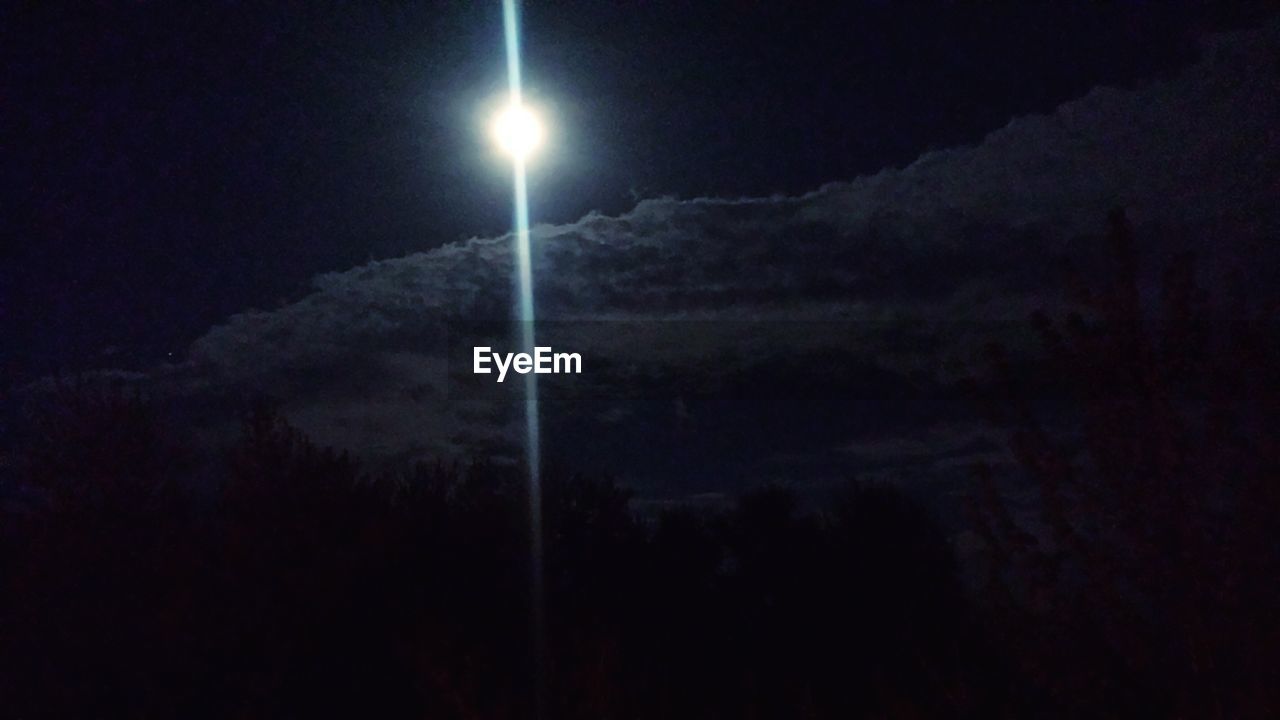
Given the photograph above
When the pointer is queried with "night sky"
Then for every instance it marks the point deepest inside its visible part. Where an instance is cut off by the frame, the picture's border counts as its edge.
(169, 164)
(912, 359)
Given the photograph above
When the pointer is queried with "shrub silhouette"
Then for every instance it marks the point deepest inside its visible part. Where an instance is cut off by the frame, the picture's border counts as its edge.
(307, 586)
(1143, 582)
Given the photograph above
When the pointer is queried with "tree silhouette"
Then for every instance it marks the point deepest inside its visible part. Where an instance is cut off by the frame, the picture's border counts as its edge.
(1143, 582)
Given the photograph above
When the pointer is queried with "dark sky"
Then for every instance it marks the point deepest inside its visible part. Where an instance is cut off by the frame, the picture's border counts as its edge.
(168, 164)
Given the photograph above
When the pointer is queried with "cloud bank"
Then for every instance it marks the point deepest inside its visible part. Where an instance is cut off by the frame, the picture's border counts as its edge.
(843, 304)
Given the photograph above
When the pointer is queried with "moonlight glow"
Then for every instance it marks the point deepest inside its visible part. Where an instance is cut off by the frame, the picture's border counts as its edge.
(517, 131)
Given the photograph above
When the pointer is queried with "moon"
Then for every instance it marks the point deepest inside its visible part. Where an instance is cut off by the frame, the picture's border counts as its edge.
(517, 131)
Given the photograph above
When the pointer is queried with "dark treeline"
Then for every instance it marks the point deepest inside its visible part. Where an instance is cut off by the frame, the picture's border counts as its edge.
(285, 581)
(309, 588)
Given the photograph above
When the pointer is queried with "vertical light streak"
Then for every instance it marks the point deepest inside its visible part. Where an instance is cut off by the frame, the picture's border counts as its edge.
(524, 284)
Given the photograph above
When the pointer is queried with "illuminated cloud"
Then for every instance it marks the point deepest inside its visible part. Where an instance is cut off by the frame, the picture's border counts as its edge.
(905, 267)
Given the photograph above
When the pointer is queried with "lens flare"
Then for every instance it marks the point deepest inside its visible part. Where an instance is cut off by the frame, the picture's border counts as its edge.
(518, 133)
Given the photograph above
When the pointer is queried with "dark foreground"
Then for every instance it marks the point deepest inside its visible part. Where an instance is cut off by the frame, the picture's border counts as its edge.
(281, 580)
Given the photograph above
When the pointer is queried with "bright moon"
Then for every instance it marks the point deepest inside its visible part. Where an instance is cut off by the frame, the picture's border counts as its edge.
(517, 131)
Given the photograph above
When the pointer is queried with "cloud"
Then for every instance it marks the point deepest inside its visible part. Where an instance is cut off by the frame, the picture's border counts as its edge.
(890, 274)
